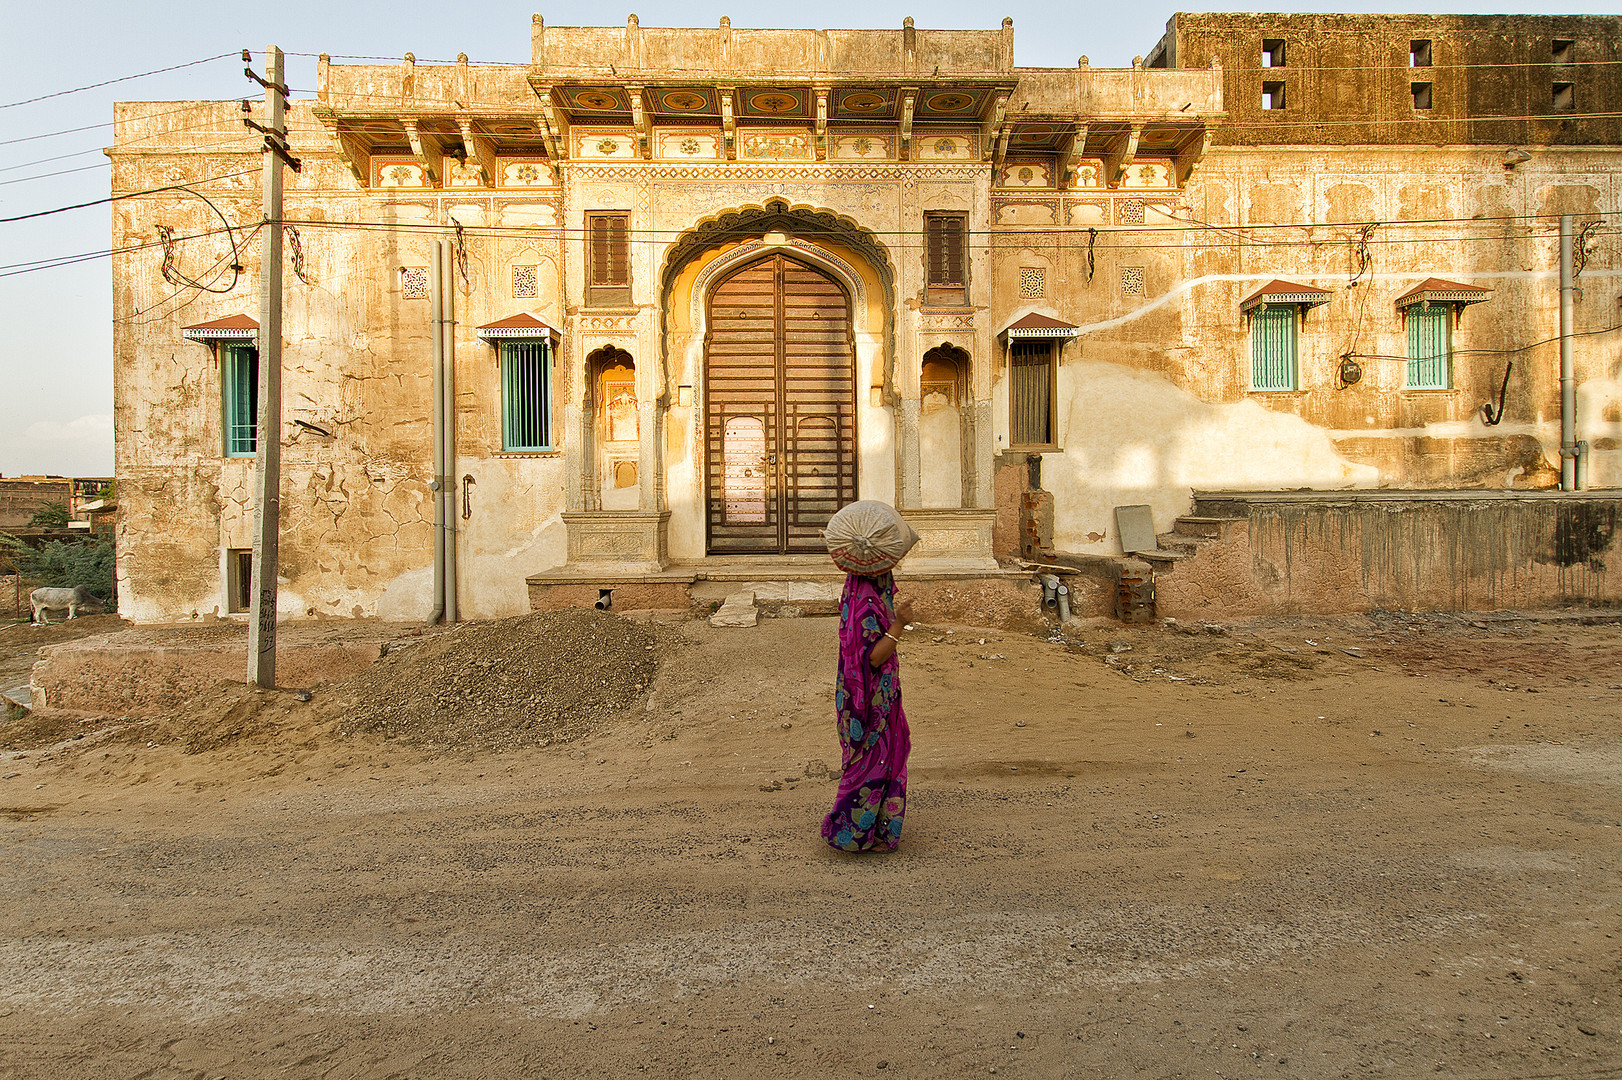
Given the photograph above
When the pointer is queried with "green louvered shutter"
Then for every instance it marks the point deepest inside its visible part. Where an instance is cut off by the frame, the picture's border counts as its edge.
(239, 393)
(1430, 347)
(1272, 348)
(526, 392)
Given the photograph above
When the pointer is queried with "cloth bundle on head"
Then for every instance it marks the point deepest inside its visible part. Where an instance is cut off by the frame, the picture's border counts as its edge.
(867, 538)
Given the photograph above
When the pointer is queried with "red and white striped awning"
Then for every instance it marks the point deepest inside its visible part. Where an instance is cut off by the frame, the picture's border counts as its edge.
(1285, 292)
(230, 328)
(1436, 291)
(518, 327)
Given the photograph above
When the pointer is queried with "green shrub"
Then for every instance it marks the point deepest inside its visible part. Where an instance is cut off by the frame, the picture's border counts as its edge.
(66, 564)
(49, 516)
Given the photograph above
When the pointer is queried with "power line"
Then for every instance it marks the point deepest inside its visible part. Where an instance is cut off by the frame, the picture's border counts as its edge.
(121, 78)
(125, 195)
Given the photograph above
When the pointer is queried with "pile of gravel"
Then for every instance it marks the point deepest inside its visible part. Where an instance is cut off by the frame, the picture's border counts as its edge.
(533, 680)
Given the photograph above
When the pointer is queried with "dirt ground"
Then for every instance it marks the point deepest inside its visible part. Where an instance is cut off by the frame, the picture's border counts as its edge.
(1369, 846)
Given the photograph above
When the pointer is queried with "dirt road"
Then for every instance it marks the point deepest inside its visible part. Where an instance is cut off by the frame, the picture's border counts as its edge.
(1340, 848)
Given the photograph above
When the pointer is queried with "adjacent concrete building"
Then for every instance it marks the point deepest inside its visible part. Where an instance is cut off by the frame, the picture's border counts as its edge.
(710, 284)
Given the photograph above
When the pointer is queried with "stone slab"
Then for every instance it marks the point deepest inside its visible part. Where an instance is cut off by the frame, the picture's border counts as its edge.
(1135, 525)
(739, 610)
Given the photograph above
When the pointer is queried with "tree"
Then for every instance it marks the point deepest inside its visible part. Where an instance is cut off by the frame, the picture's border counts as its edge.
(50, 516)
(66, 564)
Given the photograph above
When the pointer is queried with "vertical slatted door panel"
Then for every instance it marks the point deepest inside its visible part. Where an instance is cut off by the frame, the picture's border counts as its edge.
(1272, 348)
(1430, 340)
(740, 401)
(1030, 390)
(526, 422)
(819, 402)
(239, 377)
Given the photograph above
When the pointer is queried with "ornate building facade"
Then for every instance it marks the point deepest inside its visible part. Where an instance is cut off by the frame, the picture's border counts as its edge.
(709, 284)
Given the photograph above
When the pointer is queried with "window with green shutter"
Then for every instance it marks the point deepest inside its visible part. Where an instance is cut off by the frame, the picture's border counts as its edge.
(1272, 348)
(239, 396)
(1430, 347)
(526, 396)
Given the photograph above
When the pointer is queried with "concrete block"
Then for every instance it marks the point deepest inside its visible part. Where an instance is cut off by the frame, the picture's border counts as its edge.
(738, 610)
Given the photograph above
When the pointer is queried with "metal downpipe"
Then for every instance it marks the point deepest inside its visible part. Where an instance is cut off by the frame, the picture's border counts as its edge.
(447, 357)
(436, 316)
(1568, 380)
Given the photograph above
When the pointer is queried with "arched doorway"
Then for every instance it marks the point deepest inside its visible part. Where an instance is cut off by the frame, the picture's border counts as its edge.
(780, 407)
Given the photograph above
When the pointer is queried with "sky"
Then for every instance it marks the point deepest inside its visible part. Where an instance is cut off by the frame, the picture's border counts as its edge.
(56, 383)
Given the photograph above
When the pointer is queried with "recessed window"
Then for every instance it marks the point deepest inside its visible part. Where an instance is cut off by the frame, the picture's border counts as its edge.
(1030, 392)
(1422, 94)
(1272, 95)
(608, 259)
(1272, 52)
(946, 262)
(1430, 346)
(238, 579)
(1272, 347)
(526, 396)
(1563, 50)
(1565, 96)
(239, 398)
(1419, 53)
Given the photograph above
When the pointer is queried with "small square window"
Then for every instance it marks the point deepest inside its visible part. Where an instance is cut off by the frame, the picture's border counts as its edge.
(413, 283)
(525, 285)
(1272, 95)
(1272, 52)
(1422, 94)
(1565, 96)
(1132, 281)
(1033, 284)
(1562, 50)
(1419, 53)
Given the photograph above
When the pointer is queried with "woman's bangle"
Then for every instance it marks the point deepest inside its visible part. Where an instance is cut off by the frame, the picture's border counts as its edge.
(892, 637)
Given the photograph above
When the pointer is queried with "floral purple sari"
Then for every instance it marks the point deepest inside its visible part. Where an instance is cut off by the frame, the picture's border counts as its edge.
(872, 728)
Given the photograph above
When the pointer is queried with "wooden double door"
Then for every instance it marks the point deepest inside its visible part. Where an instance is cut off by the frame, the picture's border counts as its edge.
(780, 408)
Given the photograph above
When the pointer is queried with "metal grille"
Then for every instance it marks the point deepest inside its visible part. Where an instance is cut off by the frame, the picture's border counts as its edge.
(1272, 347)
(780, 403)
(526, 407)
(1031, 393)
(1430, 346)
(239, 390)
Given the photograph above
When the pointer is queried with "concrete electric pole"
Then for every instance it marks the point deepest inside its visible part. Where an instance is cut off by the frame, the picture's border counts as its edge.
(268, 432)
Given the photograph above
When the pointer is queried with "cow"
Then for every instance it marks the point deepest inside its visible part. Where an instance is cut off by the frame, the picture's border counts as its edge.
(69, 600)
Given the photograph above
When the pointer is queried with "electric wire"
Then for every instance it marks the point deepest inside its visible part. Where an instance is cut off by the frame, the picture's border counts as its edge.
(121, 78)
(124, 195)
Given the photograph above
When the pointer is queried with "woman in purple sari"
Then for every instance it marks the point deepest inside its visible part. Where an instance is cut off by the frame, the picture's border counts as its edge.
(873, 732)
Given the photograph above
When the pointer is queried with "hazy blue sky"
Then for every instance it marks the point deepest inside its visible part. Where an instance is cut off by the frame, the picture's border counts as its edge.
(55, 352)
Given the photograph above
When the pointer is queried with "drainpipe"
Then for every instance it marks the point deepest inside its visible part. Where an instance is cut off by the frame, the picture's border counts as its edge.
(447, 357)
(1568, 381)
(436, 283)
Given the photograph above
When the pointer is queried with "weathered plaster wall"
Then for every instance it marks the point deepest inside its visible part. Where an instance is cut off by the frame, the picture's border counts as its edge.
(1295, 554)
(1177, 411)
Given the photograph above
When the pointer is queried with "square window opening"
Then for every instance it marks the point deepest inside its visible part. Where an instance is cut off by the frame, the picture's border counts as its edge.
(238, 579)
(1563, 49)
(1273, 345)
(526, 396)
(1419, 53)
(1565, 96)
(1272, 95)
(1422, 95)
(1272, 52)
(608, 259)
(239, 399)
(1030, 393)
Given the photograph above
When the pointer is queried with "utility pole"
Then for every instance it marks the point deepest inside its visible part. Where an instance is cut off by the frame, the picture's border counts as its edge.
(268, 430)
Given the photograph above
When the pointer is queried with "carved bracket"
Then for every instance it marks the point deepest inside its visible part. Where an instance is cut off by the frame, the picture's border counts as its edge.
(1120, 154)
(729, 126)
(1070, 156)
(908, 101)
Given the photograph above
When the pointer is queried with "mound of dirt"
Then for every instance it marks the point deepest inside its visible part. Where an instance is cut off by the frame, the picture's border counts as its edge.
(533, 680)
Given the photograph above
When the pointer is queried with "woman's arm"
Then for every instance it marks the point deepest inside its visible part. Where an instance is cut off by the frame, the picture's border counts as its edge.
(885, 647)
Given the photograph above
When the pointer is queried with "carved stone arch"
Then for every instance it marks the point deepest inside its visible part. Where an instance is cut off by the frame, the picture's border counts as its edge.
(804, 226)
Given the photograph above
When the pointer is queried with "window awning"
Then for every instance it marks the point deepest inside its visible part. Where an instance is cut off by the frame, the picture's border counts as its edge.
(230, 328)
(1039, 326)
(1285, 292)
(1436, 291)
(522, 326)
